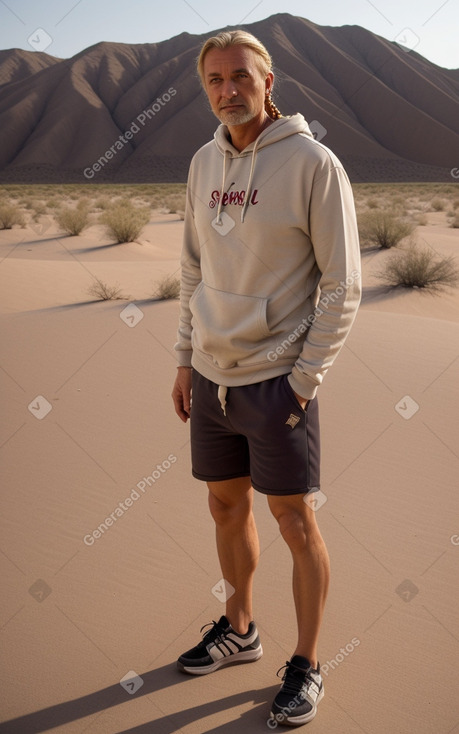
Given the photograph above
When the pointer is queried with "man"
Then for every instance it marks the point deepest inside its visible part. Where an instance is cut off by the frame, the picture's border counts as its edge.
(270, 229)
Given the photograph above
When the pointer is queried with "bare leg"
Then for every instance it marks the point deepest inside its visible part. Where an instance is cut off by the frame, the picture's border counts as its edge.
(311, 568)
(238, 549)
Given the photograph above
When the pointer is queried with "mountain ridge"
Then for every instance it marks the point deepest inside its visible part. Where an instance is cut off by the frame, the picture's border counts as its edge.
(374, 103)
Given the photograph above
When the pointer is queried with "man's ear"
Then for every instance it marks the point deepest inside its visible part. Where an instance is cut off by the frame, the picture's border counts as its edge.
(269, 81)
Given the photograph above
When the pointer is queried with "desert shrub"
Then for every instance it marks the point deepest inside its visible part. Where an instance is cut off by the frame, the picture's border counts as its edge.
(422, 219)
(437, 205)
(398, 201)
(39, 209)
(10, 215)
(174, 203)
(125, 222)
(455, 221)
(103, 202)
(169, 287)
(105, 292)
(73, 221)
(419, 268)
(372, 203)
(382, 228)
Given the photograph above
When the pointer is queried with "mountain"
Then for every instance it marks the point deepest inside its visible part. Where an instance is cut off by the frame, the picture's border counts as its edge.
(131, 113)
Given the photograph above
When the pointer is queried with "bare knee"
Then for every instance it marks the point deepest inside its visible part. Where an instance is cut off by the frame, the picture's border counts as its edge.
(296, 524)
(230, 507)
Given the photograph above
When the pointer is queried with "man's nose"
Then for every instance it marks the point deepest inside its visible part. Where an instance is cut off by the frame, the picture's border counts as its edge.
(229, 89)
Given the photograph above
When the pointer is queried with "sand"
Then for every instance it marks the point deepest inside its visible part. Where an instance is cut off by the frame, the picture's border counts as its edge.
(90, 424)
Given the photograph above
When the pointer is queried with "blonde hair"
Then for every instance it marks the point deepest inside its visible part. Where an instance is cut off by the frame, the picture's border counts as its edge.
(225, 39)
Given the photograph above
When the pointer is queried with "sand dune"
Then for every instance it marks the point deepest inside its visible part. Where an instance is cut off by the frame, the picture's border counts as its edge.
(389, 114)
(78, 615)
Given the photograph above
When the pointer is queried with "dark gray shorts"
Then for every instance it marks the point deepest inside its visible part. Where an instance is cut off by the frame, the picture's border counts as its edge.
(265, 435)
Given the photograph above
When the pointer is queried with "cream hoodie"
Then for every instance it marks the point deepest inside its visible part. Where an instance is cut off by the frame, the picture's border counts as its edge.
(270, 260)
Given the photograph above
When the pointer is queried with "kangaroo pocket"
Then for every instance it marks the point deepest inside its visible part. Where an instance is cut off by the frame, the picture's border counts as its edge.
(227, 326)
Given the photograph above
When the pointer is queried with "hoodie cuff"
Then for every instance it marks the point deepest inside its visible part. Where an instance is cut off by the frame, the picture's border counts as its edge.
(302, 384)
(184, 357)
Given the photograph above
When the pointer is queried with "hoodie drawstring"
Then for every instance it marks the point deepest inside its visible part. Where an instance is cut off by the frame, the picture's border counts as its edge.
(248, 191)
(222, 391)
(218, 219)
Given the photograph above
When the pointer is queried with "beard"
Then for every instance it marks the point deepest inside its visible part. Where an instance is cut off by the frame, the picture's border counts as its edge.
(234, 117)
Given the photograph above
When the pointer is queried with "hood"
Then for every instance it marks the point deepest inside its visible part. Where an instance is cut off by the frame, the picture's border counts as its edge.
(278, 130)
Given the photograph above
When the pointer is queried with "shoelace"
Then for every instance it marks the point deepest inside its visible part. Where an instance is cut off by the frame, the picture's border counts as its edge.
(214, 634)
(293, 683)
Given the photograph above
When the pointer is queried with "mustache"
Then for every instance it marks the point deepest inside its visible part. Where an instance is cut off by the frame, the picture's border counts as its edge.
(230, 103)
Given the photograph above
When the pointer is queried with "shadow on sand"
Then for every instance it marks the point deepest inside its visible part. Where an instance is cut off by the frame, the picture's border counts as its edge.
(253, 720)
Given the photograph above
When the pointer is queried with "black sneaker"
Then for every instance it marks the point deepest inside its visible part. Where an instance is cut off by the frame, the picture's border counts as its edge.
(221, 646)
(301, 691)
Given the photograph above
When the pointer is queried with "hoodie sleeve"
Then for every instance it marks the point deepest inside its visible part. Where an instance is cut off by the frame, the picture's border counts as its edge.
(334, 237)
(190, 279)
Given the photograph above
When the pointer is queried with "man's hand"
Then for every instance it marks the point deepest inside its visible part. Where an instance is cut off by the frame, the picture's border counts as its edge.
(302, 401)
(181, 393)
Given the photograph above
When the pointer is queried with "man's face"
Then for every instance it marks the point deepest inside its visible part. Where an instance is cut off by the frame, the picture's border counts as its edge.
(235, 85)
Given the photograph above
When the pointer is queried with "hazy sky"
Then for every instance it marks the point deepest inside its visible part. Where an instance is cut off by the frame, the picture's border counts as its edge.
(64, 27)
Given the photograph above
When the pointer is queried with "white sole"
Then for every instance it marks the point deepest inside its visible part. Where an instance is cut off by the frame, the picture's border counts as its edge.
(299, 720)
(240, 657)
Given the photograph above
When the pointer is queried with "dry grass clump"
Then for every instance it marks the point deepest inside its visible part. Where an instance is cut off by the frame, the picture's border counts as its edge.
(455, 221)
(103, 202)
(10, 215)
(175, 203)
(422, 219)
(124, 222)
(419, 268)
(382, 229)
(105, 292)
(438, 205)
(73, 221)
(167, 288)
